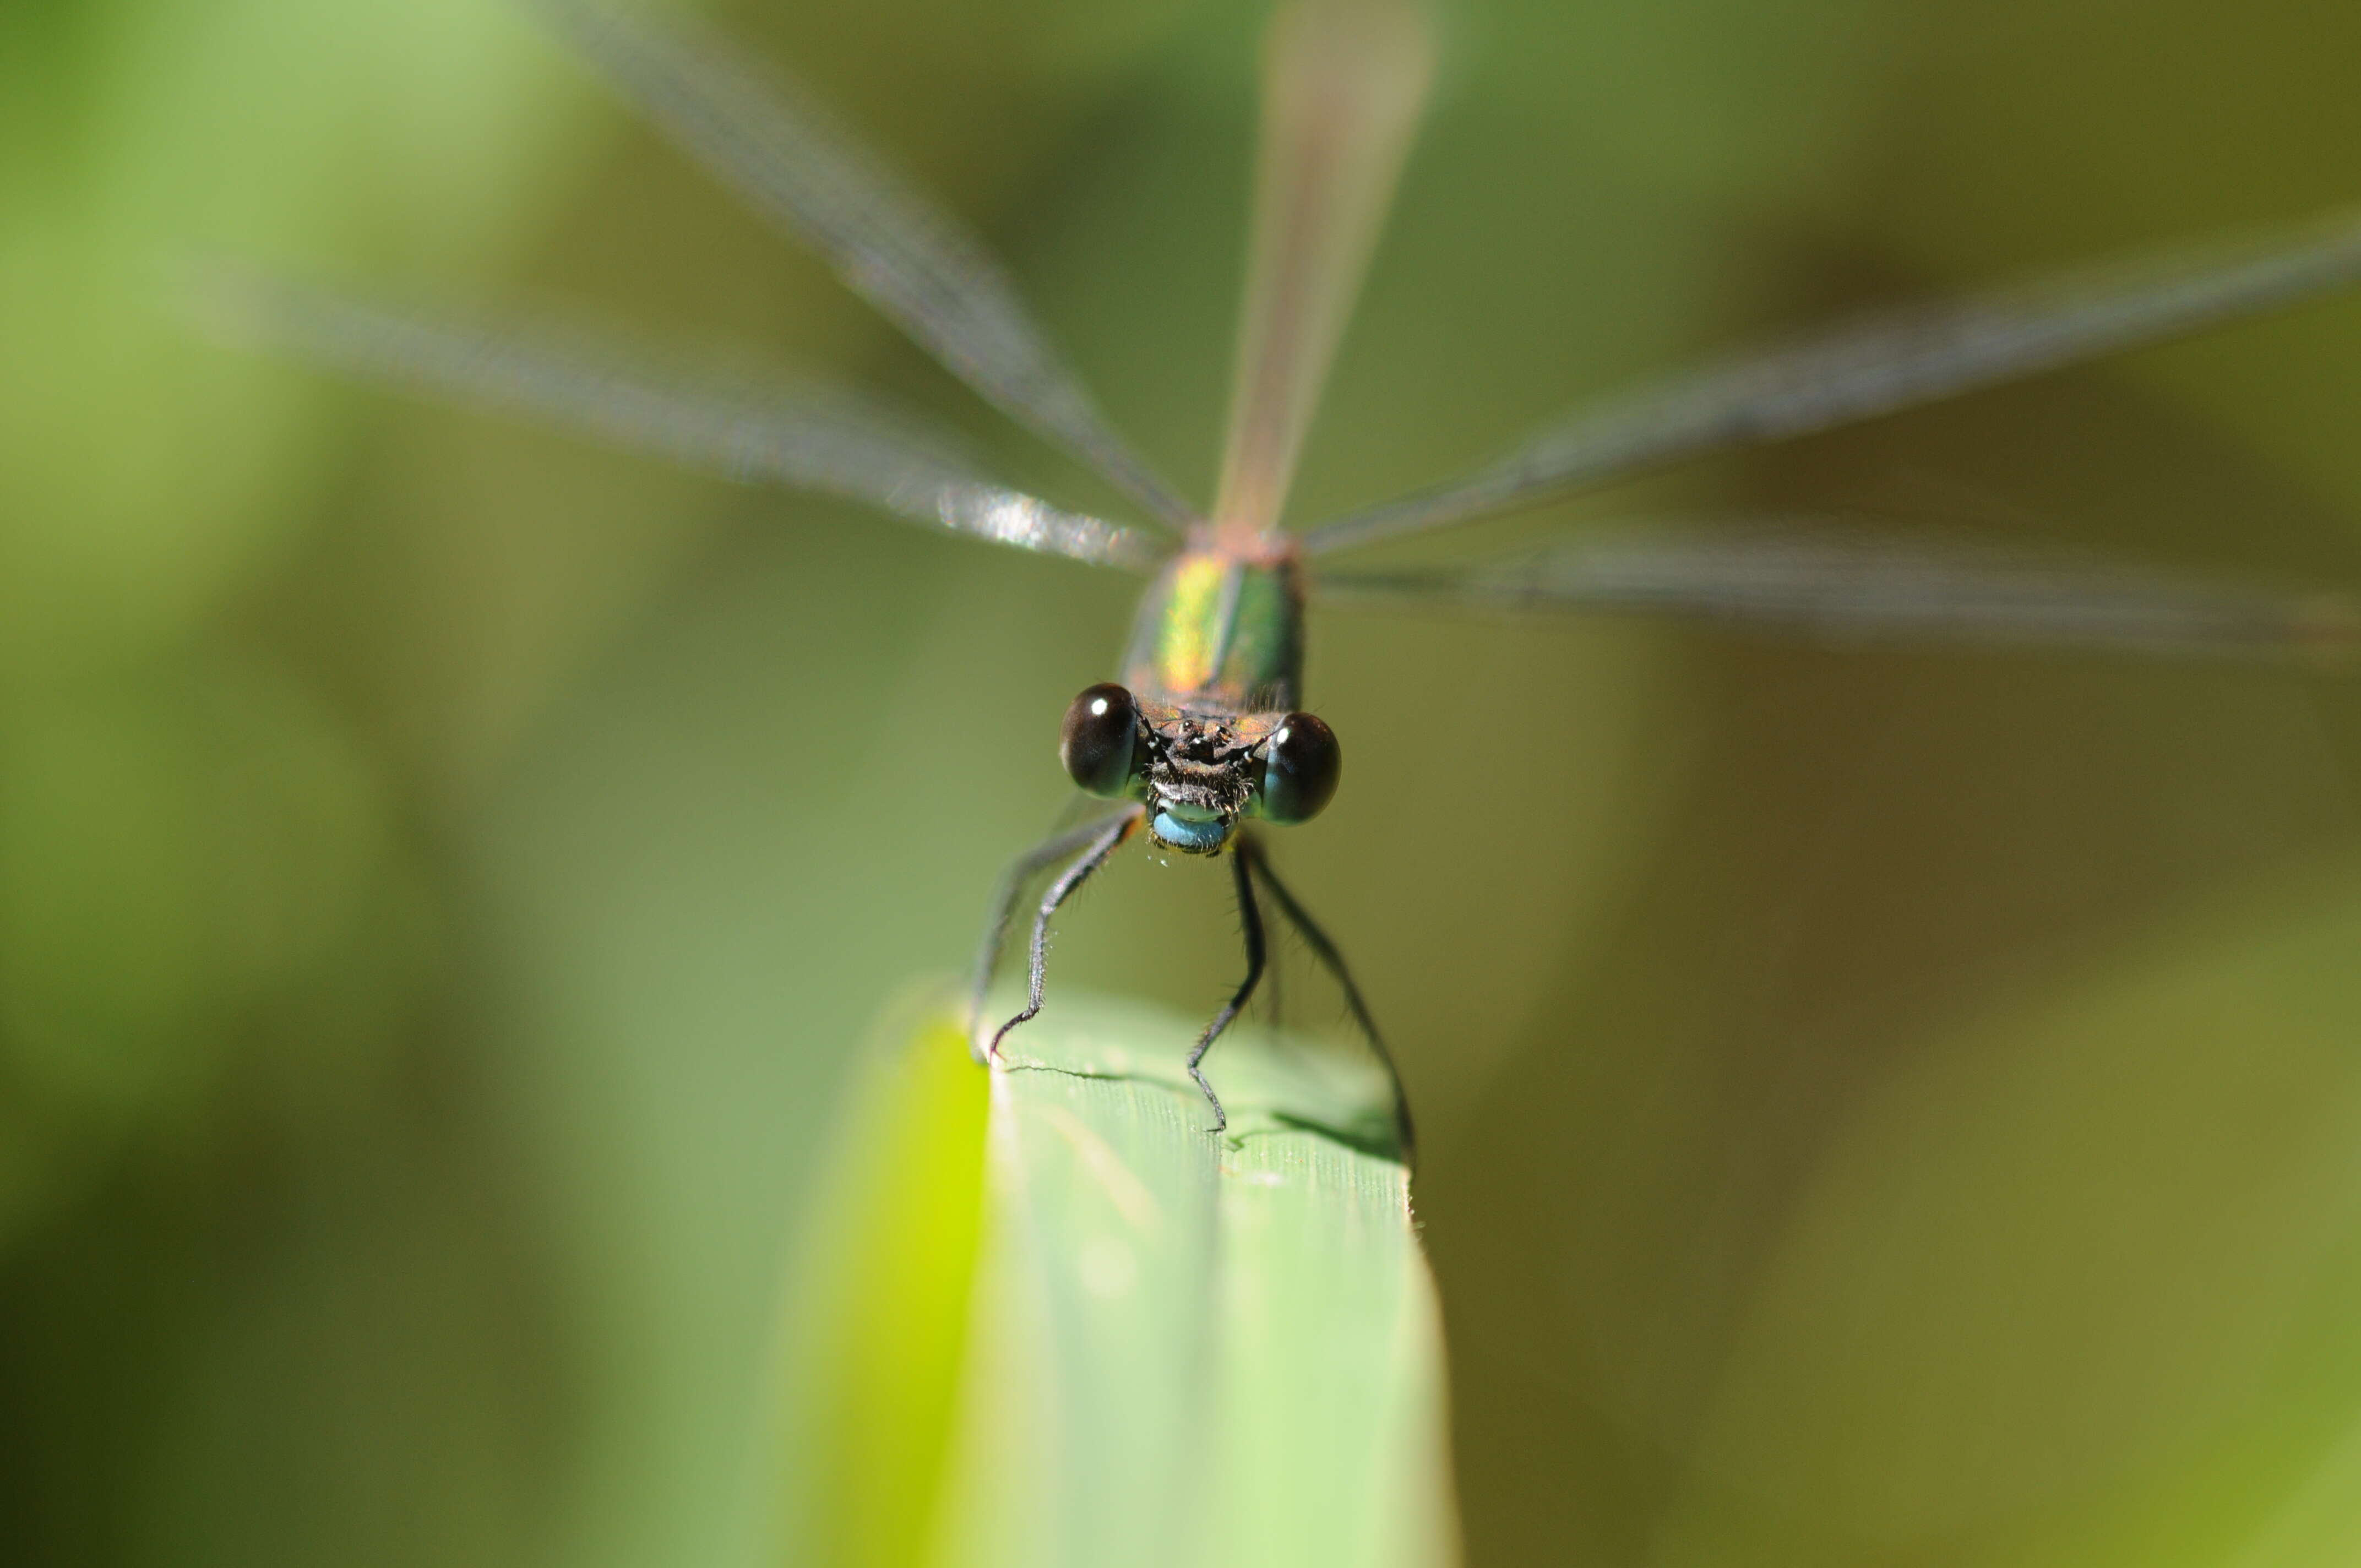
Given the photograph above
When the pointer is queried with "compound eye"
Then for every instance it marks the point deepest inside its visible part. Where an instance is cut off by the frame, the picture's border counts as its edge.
(1301, 766)
(1102, 727)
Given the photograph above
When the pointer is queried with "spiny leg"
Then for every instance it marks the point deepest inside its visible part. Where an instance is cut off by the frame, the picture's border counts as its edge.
(1250, 916)
(1003, 910)
(1105, 839)
(1250, 855)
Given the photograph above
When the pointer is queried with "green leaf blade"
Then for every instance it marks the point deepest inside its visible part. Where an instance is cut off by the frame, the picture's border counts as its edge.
(1187, 1348)
(872, 1366)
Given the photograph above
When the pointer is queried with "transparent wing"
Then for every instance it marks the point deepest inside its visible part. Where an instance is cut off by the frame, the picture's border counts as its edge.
(801, 434)
(914, 262)
(1848, 587)
(1343, 83)
(1879, 366)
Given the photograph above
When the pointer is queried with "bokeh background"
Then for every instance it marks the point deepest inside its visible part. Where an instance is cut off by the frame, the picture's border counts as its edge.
(1881, 1108)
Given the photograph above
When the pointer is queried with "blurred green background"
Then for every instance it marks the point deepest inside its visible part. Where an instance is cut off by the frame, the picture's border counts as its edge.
(1881, 1109)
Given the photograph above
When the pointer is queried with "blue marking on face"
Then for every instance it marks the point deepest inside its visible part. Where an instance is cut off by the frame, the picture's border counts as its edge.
(1197, 838)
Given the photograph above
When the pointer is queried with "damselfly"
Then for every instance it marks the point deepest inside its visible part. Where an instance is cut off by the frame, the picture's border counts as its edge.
(1206, 736)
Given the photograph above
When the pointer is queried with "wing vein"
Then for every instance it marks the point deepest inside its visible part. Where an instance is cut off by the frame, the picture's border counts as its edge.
(794, 433)
(1344, 83)
(921, 268)
(1877, 366)
(1847, 587)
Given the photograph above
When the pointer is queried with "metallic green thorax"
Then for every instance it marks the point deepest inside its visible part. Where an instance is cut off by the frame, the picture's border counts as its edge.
(1221, 631)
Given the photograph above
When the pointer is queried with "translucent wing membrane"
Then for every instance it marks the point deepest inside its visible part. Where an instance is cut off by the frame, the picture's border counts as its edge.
(1879, 366)
(1344, 81)
(1849, 587)
(912, 260)
(793, 434)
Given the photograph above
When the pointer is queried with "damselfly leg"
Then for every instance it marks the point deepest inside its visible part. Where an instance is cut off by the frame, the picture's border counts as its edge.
(1003, 910)
(1103, 839)
(1250, 855)
(1250, 918)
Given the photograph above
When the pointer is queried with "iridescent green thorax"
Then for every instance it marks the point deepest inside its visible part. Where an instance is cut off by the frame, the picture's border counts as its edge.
(1221, 631)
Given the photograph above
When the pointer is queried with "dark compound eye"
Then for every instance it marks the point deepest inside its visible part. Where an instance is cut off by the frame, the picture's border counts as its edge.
(1301, 766)
(1101, 727)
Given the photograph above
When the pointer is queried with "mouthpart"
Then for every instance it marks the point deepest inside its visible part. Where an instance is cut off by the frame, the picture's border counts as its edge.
(1191, 829)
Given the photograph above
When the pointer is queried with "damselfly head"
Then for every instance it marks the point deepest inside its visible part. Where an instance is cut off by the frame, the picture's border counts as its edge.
(1199, 770)
(1200, 774)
